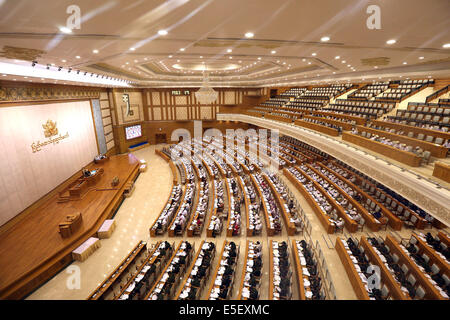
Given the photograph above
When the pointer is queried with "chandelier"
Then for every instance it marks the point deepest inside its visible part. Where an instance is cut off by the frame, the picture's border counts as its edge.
(206, 94)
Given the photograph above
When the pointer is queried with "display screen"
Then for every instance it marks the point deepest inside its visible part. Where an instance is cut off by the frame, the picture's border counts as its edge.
(133, 132)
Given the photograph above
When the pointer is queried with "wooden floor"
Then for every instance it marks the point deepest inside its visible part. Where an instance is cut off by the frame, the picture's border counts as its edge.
(32, 250)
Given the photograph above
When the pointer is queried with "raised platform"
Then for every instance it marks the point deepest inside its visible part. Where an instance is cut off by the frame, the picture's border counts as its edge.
(32, 250)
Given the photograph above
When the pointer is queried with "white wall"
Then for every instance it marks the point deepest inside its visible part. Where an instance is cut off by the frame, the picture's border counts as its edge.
(26, 176)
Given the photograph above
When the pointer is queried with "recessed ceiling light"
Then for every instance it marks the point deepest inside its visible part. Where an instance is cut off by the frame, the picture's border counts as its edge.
(325, 39)
(447, 45)
(132, 49)
(392, 41)
(343, 61)
(273, 52)
(182, 49)
(421, 58)
(405, 62)
(63, 60)
(376, 67)
(65, 30)
(313, 54)
(229, 50)
(95, 51)
(162, 32)
(249, 35)
(337, 57)
(309, 62)
(259, 58)
(78, 57)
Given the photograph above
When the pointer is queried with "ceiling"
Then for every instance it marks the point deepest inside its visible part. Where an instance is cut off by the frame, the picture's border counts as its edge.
(120, 39)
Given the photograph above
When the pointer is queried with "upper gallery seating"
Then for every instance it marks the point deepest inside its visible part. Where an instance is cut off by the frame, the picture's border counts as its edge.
(404, 89)
(429, 135)
(293, 92)
(364, 109)
(224, 276)
(424, 115)
(369, 91)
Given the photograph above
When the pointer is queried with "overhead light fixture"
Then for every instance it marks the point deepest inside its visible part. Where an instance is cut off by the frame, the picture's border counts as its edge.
(132, 49)
(249, 35)
(78, 57)
(95, 51)
(313, 54)
(182, 49)
(325, 39)
(421, 58)
(65, 30)
(392, 41)
(229, 50)
(337, 57)
(162, 32)
(259, 58)
(446, 46)
(63, 61)
(405, 62)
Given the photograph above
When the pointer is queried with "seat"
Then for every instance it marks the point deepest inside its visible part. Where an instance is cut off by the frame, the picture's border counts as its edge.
(439, 141)
(420, 293)
(426, 157)
(420, 136)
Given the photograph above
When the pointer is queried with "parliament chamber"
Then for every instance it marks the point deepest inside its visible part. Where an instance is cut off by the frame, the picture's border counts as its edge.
(225, 150)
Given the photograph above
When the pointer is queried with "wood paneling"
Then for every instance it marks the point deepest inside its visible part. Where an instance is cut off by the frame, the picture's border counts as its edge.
(24, 265)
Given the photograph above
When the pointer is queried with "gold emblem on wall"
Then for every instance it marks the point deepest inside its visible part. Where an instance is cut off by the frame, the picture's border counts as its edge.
(50, 128)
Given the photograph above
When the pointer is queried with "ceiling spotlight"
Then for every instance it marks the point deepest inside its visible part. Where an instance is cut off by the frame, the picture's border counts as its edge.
(273, 52)
(337, 57)
(421, 58)
(446, 46)
(78, 57)
(95, 51)
(325, 39)
(249, 35)
(182, 49)
(65, 30)
(229, 50)
(132, 49)
(405, 62)
(392, 41)
(314, 54)
(162, 32)
(259, 58)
